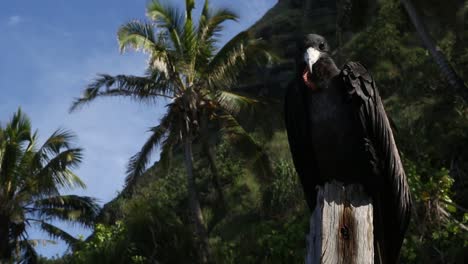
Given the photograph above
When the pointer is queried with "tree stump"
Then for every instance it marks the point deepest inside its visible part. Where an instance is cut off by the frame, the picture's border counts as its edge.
(341, 226)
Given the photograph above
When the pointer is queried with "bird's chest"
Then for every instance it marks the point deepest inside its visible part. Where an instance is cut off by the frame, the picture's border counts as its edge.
(329, 112)
(335, 137)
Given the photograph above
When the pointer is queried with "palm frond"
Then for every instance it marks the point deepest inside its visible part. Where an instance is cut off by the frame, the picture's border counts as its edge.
(59, 140)
(19, 127)
(240, 51)
(28, 252)
(168, 18)
(233, 102)
(141, 36)
(11, 154)
(189, 6)
(27, 174)
(16, 150)
(259, 160)
(139, 88)
(210, 25)
(209, 29)
(189, 39)
(57, 233)
(167, 148)
(137, 35)
(57, 170)
(139, 161)
(70, 208)
(24, 166)
(223, 68)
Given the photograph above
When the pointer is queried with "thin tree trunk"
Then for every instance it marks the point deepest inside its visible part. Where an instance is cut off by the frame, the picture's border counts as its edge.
(220, 203)
(208, 149)
(215, 175)
(444, 66)
(460, 26)
(194, 203)
(5, 250)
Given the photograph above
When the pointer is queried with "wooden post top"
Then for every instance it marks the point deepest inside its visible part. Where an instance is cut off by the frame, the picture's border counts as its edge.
(341, 227)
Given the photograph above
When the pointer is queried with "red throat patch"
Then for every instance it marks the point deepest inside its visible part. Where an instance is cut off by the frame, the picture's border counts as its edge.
(307, 77)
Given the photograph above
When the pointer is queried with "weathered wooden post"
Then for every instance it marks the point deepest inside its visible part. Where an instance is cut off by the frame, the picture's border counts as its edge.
(341, 227)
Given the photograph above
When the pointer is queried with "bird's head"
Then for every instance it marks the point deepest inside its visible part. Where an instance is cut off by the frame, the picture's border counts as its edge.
(313, 60)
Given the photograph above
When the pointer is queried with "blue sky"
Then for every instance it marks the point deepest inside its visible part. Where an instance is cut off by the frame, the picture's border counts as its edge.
(52, 48)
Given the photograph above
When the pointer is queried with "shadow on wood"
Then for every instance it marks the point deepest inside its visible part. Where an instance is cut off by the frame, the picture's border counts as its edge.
(341, 227)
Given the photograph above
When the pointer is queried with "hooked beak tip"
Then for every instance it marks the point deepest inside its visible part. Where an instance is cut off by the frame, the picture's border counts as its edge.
(309, 67)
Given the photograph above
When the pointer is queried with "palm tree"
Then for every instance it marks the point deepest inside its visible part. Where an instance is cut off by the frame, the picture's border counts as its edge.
(31, 177)
(444, 66)
(187, 71)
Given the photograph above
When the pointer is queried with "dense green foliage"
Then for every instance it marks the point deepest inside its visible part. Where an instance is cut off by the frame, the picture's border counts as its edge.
(154, 223)
(266, 217)
(31, 179)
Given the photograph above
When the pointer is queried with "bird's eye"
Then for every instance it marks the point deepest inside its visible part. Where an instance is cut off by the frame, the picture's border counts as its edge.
(322, 46)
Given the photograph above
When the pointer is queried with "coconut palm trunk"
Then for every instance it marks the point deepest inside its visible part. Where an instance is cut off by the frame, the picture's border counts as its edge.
(444, 66)
(194, 204)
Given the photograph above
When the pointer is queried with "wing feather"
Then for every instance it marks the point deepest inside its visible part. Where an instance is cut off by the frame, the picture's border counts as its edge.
(300, 143)
(392, 202)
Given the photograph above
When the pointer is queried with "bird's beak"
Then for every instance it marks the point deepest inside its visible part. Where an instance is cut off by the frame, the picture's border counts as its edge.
(311, 56)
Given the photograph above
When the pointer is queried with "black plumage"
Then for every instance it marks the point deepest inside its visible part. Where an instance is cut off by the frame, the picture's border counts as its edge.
(338, 129)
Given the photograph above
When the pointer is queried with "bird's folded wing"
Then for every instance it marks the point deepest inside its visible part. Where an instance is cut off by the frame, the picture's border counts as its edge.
(300, 142)
(394, 198)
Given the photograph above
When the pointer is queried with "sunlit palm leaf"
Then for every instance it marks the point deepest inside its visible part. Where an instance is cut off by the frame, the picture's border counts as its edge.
(233, 102)
(167, 18)
(140, 36)
(211, 24)
(209, 29)
(240, 51)
(189, 6)
(223, 68)
(189, 41)
(137, 35)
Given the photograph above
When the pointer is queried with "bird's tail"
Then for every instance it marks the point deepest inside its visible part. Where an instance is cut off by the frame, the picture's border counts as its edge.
(388, 236)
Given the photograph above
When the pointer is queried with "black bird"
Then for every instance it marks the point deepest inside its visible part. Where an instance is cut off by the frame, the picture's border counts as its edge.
(337, 129)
